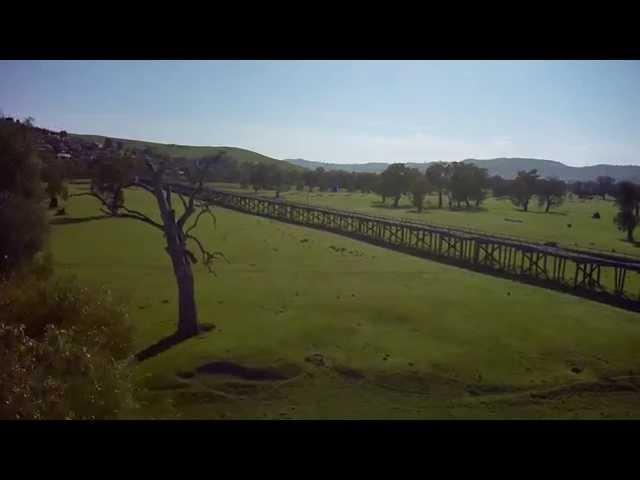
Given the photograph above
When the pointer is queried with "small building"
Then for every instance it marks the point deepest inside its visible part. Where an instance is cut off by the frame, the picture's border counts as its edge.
(63, 156)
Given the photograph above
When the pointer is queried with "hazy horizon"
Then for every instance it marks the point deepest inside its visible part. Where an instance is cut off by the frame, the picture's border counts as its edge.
(575, 112)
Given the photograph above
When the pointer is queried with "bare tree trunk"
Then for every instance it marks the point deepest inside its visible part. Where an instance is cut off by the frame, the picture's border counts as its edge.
(440, 198)
(395, 201)
(630, 235)
(177, 250)
(546, 210)
(526, 205)
(187, 311)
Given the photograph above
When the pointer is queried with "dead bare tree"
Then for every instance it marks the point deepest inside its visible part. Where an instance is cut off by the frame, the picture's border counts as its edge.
(109, 182)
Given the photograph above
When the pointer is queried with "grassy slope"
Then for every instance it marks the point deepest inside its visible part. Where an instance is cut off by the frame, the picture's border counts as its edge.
(191, 152)
(282, 298)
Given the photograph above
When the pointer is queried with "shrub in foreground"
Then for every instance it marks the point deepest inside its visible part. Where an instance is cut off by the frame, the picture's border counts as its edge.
(63, 350)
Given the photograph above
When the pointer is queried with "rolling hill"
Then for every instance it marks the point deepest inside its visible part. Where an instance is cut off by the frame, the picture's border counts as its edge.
(190, 152)
(505, 167)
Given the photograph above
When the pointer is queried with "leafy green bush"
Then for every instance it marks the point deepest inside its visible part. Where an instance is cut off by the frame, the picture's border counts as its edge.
(63, 350)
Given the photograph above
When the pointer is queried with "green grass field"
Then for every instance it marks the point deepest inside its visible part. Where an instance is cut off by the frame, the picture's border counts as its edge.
(400, 337)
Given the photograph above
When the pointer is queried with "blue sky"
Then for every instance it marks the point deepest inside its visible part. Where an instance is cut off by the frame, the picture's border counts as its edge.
(576, 112)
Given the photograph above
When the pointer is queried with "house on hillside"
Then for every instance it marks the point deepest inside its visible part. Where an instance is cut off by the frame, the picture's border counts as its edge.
(63, 156)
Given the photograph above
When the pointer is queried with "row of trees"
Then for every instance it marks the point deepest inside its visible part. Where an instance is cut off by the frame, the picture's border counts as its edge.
(261, 176)
(466, 185)
(462, 183)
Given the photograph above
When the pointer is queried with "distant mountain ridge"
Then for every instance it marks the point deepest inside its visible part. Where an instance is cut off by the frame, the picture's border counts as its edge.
(505, 167)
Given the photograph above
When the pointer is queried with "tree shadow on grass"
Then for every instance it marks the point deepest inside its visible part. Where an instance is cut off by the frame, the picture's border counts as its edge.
(72, 220)
(168, 342)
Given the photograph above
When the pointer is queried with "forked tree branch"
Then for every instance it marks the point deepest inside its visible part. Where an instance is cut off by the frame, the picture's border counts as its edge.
(208, 257)
(134, 214)
(184, 202)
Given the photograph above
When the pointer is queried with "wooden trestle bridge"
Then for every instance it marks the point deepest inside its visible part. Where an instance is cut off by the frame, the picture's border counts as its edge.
(602, 277)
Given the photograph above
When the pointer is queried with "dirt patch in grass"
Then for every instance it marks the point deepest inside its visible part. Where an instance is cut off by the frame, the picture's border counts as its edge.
(482, 389)
(348, 372)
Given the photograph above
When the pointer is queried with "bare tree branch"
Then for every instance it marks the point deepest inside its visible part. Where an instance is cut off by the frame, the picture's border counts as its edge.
(192, 258)
(184, 202)
(142, 217)
(204, 208)
(140, 185)
(189, 211)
